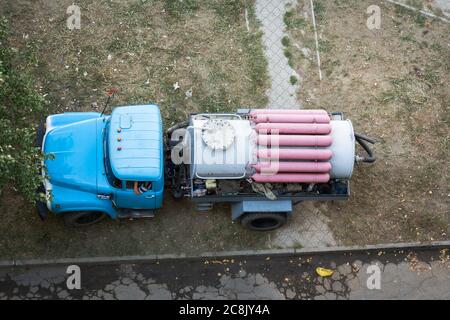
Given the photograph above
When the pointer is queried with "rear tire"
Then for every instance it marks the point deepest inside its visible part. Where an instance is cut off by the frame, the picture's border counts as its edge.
(263, 221)
(83, 218)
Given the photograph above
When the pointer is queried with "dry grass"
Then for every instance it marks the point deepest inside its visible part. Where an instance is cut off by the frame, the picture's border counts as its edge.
(143, 48)
(393, 84)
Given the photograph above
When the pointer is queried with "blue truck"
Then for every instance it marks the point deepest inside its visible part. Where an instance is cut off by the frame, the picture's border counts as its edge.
(120, 165)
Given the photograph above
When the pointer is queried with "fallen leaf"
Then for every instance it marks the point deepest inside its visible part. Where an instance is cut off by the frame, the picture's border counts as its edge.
(324, 272)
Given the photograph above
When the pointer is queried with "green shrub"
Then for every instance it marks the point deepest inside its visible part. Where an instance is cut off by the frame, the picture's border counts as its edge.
(293, 80)
(20, 107)
(286, 41)
(293, 21)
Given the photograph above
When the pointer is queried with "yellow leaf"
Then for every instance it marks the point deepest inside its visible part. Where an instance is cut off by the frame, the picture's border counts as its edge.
(324, 272)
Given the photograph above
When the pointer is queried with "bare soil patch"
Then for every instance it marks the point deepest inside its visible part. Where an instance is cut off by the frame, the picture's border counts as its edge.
(393, 84)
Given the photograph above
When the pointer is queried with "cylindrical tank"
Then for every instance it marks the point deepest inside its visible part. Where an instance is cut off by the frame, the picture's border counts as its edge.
(239, 148)
(343, 149)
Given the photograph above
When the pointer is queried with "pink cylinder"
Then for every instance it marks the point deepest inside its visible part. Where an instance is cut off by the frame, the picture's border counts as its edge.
(292, 118)
(295, 154)
(274, 167)
(294, 140)
(292, 178)
(294, 128)
(288, 111)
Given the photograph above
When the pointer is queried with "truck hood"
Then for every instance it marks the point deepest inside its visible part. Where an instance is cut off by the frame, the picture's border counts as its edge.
(74, 149)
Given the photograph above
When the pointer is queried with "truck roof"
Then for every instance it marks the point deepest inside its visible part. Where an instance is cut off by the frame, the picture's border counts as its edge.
(135, 143)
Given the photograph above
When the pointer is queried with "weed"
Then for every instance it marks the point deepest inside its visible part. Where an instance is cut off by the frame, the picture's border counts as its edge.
(286, 41)
(408, 37)
(325, 46)
(293, 80)
(437, 47)
(231, 10)
(177, 8)
(292, 21)
(319, 10)
(287, 53)
(420, 20)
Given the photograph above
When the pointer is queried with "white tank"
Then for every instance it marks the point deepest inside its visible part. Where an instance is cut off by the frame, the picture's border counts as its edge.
(222, 147)
(343, 148)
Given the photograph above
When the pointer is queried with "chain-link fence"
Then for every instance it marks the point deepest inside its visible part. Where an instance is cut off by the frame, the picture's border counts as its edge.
(272, 16)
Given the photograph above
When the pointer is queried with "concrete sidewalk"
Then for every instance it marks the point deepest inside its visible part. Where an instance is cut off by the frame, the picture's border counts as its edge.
(413, 274)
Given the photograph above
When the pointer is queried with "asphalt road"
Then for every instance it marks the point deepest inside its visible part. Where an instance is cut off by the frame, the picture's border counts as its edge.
(421, 274)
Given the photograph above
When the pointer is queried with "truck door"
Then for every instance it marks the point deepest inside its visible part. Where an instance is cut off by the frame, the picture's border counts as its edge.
(132, 196)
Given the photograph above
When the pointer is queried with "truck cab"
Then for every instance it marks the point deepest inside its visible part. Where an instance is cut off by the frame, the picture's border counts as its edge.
(104, 165)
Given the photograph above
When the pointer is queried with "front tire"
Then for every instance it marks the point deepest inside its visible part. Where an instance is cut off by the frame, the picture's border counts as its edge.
(263, 221)
(83, 218)
(41, 207)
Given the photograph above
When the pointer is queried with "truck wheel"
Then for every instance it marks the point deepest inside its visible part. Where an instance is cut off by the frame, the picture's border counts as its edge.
(41, 206)
(263, 221)
(83, 218)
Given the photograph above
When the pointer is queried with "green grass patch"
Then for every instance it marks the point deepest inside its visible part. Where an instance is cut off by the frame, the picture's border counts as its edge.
(286, 41)
(287, 53)
(408, 37)
(231, 10)
(177, 8)
(325, 45)
(20, 108)
(437, 47)
(319, 10)
(292, 21)
(420, 20)
(293, 80)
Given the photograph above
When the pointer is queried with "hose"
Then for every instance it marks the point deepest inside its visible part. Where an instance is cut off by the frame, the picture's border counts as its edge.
(183, 124)
(363, 140)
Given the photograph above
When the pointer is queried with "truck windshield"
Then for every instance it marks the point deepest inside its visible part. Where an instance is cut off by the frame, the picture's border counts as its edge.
(108, 171)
